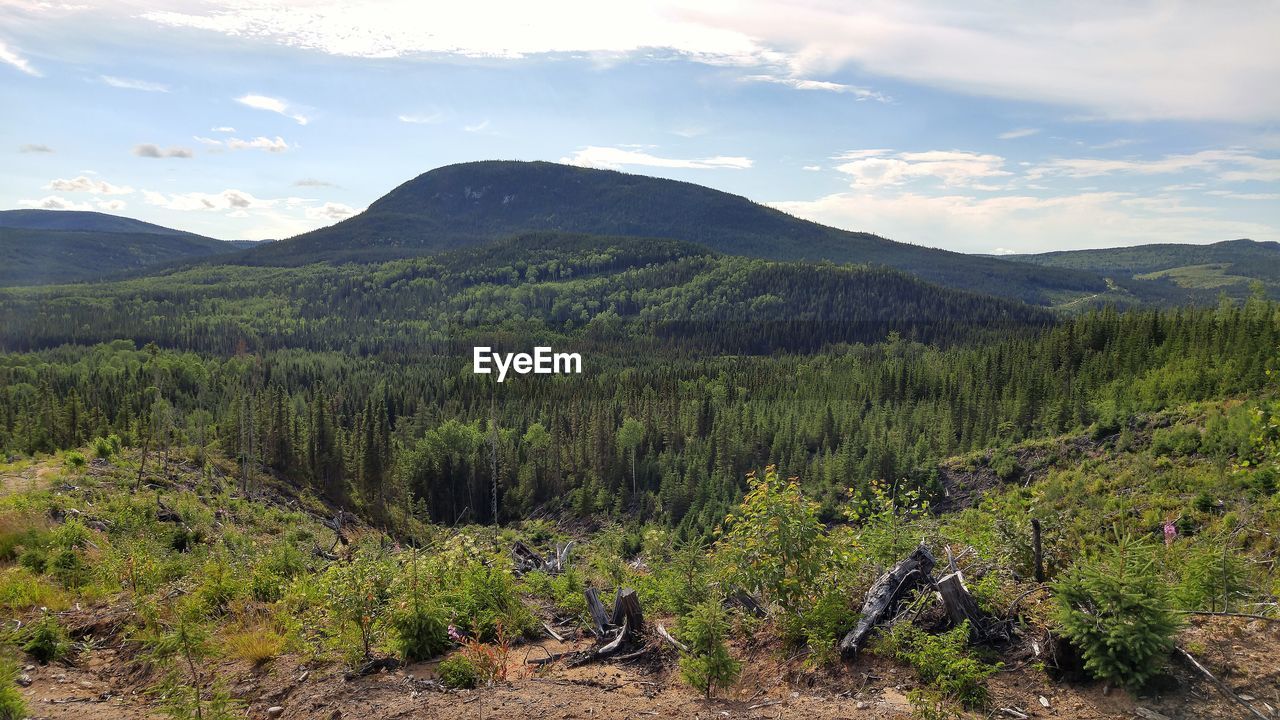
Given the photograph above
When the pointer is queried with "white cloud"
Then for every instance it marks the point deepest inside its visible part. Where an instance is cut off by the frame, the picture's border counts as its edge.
(331, 212)
(53, 202)
(812, 168)
(477, 127)
(87, 184)
(860, 93)
(1154, 60)
(1018, 133)
(9, 56)
(34, 148)
(1244, 196)
(131, 84)
(222, 129)
(258, 143)
(1227, 165)
(227, 200)
(271, 104)
(1003, 251)
(951, 168)
(421, 119)
(1022, 223)
(148, 150)
(614, 158)
(313, 182)
(113, 206)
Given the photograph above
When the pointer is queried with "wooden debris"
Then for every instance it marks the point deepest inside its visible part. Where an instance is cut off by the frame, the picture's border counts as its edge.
(742, 599)
(527, 561)
(626, 609)
(662, 633)
(1148, 714)
(886, 593)
(1222, 687)
(552, 633)
(961, 606)
(599, 618)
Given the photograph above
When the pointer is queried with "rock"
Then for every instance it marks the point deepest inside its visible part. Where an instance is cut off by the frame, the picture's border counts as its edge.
(303, 677)
(862, 705)
(24, 680)
(275, 711)
(1044, 701)
(1147, 714)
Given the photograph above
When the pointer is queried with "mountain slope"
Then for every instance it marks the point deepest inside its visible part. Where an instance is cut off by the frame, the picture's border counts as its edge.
(474, 203)
(619, 294)
(1177, 273)
(57, 246)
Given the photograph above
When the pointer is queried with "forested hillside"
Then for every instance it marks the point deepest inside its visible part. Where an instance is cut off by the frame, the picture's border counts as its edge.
(40, 247)
(665, 437)
(610, 292)
(1175, 274)
(474, 203)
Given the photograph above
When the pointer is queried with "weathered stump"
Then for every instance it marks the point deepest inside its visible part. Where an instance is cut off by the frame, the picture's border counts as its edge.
(886, 593)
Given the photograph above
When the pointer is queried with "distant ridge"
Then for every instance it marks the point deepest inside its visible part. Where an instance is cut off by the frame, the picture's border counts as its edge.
(1175, 272)
(58, 246)
(475, 203)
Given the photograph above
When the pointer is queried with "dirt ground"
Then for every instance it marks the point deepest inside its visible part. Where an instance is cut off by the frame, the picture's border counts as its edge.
(103, 684)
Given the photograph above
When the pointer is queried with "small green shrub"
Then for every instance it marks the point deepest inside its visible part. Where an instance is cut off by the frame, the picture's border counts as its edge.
(458, 672)
(1114, 608)
(105, 447)
(1004, 465)
(74, 459)
(1178, 440)
(45, 640)
(819, 626)
(484, 598)
(418, 623)
(942, 661)
(707, 665)
(12, 706)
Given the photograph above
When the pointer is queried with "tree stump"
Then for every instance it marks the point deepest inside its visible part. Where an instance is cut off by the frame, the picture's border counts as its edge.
(626, 610)
(886, 593)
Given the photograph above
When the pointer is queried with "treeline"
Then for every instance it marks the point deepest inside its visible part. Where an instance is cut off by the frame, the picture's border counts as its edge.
(547, 286)
(666, 438)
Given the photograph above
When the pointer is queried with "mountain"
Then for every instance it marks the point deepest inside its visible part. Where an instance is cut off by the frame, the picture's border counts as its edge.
(58, 246)
(1176, 274)
(479, 202)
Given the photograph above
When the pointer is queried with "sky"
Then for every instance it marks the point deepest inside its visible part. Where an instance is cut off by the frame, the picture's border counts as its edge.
(987, 127)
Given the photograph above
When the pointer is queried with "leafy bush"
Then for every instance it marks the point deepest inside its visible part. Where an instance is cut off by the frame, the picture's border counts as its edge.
(942, 661)
(774, 542)
(819, 626)
(457, 671)
(105, 447)
(1114, 608)
(45, 640)
(1177, 440)
(74, 459)
(707, 665)
(357, 593)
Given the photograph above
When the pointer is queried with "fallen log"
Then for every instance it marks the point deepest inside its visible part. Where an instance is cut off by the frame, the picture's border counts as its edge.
(886, 593)
(526, 560)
